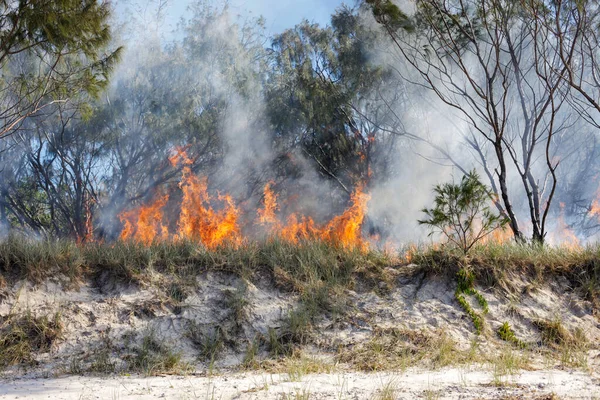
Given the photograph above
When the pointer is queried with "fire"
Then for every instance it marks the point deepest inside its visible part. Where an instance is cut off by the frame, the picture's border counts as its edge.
(498, 236)
(200, 221)
(563, 232)
(344, 230)
(410, 253)
(145, 224)
(266, 215)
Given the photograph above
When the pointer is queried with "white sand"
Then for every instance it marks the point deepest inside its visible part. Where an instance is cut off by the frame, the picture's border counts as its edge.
(444, 384)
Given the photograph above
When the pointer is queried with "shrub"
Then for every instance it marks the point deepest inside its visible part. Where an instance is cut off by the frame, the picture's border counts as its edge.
(461, 212)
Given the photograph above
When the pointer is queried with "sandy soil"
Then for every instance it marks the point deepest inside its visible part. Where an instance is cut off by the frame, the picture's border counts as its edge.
(443, 384)
(91, 314)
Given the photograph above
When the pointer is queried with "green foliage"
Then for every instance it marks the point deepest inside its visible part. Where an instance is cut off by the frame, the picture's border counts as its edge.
(390, 15)
(508, 335)
(462, 213)
(52, 51)
(477, 319)
(466, 286)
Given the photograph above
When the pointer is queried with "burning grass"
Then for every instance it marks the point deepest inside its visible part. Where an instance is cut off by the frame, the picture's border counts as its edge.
(307, 267)
(215, 221)
(293, 267)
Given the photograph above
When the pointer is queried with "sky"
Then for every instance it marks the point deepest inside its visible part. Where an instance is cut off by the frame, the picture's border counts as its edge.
(279, 14)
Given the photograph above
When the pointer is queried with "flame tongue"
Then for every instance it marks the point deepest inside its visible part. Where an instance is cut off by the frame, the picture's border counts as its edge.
(199, 221)
(266, 215)
(344, 230)
(145, 224)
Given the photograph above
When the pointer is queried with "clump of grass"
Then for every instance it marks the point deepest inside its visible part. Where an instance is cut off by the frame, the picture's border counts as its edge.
(295, 330)
(553, 332)
(22, 337)
(153, 356)
(506, 333)
(237, 302)
(506, 364)
(387, 391)
(572, 347)
(36, 260)
(393, 348)
(296, 365)
(250, 356)
(209, 342)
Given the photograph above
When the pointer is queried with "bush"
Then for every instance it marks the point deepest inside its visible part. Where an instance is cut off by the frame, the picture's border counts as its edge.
(462, 213)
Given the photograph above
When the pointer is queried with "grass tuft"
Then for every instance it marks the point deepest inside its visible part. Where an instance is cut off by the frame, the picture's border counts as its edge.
(22, 337)
(153, 356)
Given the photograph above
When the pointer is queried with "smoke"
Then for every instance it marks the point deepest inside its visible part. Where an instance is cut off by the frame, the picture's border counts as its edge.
(201, 84)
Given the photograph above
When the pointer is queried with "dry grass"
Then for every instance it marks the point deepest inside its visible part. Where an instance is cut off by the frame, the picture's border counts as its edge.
(23, 337)
(398, 349)
(495, 265)
(153, 356)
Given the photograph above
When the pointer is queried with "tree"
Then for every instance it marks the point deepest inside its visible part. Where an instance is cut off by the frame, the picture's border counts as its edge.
(495, 67)
(326, 99)
(51, 51)
(462, 212)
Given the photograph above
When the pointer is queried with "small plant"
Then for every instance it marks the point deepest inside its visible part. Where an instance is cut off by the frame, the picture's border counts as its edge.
(466, 286)
(387, 391)
(237, 302)
(506, 364)
(508, 335)
(209, 342)
(251, 354)
(153, 356)
(461, 212)
(101, 361)
(553, 332)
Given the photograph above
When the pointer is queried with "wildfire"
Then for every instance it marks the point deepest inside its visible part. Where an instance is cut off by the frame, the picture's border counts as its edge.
(266, 215)
(564, 234)
(145, 224)
(344, 230)
(498, 236)
(200, 221)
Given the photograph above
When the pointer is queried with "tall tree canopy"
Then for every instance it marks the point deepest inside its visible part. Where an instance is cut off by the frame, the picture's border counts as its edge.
(50, 51)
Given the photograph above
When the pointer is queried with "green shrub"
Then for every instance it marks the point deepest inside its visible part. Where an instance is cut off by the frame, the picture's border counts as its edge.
(461, 212)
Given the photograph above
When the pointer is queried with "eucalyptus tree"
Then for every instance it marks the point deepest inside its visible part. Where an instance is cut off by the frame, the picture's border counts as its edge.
(496, 68)
(326, 99)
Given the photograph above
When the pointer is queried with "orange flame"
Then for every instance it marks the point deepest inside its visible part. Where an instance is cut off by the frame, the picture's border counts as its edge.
(199, 221)
(498, 236)
(344, 230)
(145, 224)
(266, 215)
(563, 232)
